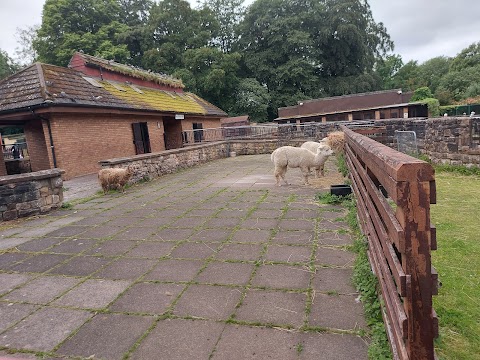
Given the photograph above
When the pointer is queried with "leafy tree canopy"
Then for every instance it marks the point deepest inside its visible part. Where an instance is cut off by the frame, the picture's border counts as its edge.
(7, 65)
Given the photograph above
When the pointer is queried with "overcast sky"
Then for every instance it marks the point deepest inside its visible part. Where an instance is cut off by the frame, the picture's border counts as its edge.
(420, 29)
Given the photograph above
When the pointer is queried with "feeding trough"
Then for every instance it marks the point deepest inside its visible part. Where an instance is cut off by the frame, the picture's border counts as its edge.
(340, 190)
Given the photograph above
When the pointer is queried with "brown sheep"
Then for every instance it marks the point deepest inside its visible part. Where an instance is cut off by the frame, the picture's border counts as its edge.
(115, 178)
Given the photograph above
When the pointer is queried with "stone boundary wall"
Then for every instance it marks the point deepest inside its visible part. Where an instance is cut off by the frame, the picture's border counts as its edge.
(30, 194)
(153, 165)
(445, 140)
(450, 141)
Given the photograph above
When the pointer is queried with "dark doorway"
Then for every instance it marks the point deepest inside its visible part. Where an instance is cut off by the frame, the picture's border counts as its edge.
(172, 136)
(141, 138)
(197, 132)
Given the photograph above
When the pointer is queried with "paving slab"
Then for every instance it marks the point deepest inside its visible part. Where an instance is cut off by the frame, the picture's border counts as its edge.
(242, 342)
(107, 336)
(334, 256)
(288, 254)
(40, 263)
(294, 237)
(251, 236)
(10, 281)
(175, 270)
(42, 289)
(282, 277)
(296, 224)
(273, 308)
(326, 309)
(172, 234)
(39, 244)
(112, 248)
(73, 246)
(333, 347)
(80, 266)
(211, 235)
(226, 273)
(333, 279)
(147, 298)
(9, 259)
(334, 238)
(31, 332)
(176, 339)
(93, 294)
(190, 250)
(210, 302)
(152, 250)
(126, 269)
(240, 252)
(13, 313)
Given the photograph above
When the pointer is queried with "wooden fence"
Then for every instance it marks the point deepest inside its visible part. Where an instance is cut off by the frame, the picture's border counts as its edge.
(394, 192)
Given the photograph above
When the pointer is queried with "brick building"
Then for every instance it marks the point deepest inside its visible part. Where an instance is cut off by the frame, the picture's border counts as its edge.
(95, 110)
(388, 104)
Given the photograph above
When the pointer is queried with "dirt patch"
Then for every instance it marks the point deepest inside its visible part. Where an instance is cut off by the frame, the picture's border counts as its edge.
(332, 176)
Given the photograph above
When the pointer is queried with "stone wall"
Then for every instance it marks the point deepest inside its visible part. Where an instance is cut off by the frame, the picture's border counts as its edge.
(445, 140)
(453, 141)
(30, 194)
(150, 166)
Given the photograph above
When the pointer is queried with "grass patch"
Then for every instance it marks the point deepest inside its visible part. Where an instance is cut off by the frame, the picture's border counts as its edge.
(457, 261)
(327, 198)
(342, 164)
(66, 205)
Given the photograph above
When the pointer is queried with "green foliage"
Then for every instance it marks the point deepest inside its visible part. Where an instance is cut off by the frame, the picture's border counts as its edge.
(66, 205)
(229, 14)
(298, 49)
(251, 98)
(467, 58)
(327, 198)
(406, 77)
(342, 165)
(7, 65)
(70, 25)
(421, 94)
(386, 68)
(433, 106)
(458, 169)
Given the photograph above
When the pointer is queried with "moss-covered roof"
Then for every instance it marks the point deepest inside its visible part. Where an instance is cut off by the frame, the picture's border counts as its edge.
(49, 85)
(131, 71)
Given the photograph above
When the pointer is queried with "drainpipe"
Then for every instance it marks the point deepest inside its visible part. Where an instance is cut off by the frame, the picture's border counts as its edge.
(52, 147)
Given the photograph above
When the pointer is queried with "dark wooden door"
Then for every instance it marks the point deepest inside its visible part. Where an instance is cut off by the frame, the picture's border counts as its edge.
(141, 139)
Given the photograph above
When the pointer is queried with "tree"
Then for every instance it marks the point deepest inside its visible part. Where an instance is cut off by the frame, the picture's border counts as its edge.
(468, 57)
(253, 99)
(25, 52)
(406, 77)
(386, 68)
(69, 24)
(7, 65)
(211, 74)
(229, 14)
(299, 49)
(421, 94)
(431, 71)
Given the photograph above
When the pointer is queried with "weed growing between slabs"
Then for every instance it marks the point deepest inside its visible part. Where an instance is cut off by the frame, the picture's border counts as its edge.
(364, 280)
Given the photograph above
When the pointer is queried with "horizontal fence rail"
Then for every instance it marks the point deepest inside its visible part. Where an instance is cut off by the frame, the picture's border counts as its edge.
(276, 131)
(394, 192)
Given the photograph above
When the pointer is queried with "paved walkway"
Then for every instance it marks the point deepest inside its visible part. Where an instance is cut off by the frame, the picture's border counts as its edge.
(213, 262)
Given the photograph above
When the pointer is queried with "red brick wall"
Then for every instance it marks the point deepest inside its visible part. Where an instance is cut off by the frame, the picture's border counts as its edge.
(38, 150)
(82, 140)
